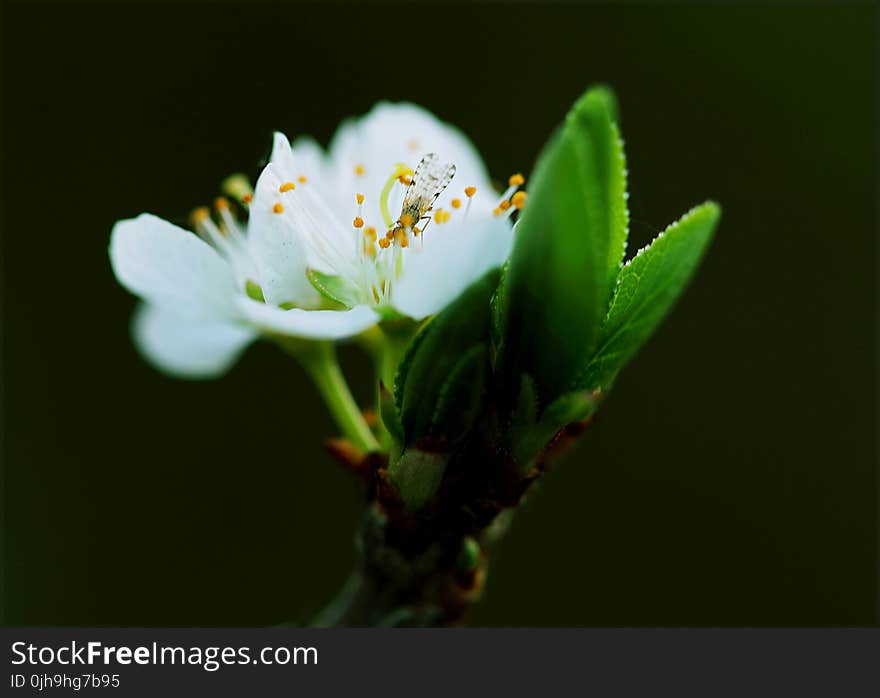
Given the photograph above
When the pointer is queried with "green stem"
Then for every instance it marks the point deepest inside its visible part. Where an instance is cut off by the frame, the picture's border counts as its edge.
(319, 360)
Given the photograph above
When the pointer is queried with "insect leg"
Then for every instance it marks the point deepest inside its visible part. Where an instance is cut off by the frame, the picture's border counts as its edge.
(424, 218)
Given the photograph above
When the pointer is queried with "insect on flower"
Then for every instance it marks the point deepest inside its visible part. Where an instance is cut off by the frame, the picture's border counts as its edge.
(428, 182)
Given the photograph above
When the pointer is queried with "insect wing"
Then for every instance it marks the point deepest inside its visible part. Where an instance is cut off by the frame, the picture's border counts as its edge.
(428, 182)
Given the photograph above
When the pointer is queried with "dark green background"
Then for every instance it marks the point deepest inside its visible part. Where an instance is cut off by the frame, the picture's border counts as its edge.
(730, 476)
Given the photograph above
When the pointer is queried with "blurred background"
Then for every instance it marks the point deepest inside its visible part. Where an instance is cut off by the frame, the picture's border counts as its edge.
(729, 479)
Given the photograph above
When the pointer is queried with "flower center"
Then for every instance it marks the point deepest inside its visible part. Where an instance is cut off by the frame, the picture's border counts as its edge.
(374, 273)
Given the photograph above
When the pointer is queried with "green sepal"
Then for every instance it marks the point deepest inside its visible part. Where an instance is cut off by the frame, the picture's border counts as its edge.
(417, 476)
(336, 289)
(569, 245)
(647, 288)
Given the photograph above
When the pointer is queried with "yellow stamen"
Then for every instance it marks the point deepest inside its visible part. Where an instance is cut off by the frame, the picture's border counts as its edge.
(406, 220)
(238, 187)
(516, 180)
(519, 199)
(358, 222)
(359, 170)
(401, 238)
(247, 198)
(405, 181)
(278, 208)
(199, 215)
(446, 216)
(221, 204)
(416, 230)
(504, 205)
(384, 243)
(370, 232)
(360, 198)
(455, 203)
(287, 186)
(470, 191)
(497, 212)
(302, 179)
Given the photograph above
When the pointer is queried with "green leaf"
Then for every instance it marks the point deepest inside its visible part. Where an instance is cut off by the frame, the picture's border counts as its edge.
(648, 286)
(388, 412)
(447, 353)
(409, 355)
(417, 476)
(569, 245)
(566, 409)
(461, 397)
(336, 289)
(525, 413)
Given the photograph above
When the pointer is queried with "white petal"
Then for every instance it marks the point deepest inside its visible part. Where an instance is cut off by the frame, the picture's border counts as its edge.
(279, 250)
(451, 258)
(170, 266)
(282, 156)
(308, 324)
(398, 133)
(306, 221)
(187, 347)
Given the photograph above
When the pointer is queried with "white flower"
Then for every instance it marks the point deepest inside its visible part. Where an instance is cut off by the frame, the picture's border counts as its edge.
(327, 251)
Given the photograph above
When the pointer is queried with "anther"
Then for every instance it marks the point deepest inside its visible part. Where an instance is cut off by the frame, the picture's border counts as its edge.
(221, 204)
(302, 179)
(359, 170)
(406, 220)
(384, 243)
(360, 198)
(519, 199)
(370, 232)
(199, 215)
(287, 186)
(358, 222)
(455, 203)
(237, 187)
(470, 191)
(278, 208)
(516, 180)
(504, 205)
